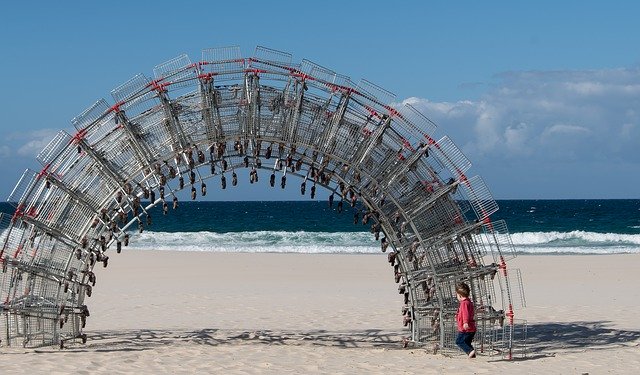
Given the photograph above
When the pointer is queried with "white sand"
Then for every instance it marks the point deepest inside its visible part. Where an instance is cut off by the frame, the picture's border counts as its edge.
(178, 312)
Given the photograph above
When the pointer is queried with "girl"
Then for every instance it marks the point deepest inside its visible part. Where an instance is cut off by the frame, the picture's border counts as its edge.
(464, 318)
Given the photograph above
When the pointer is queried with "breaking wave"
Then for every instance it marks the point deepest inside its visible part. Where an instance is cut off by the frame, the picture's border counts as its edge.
(574, 242)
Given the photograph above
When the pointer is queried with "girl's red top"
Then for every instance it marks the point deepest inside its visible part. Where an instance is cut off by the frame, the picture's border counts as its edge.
(465, 314)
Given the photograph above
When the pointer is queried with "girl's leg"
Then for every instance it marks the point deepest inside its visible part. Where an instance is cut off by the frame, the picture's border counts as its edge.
(462, 343)
(468, 340)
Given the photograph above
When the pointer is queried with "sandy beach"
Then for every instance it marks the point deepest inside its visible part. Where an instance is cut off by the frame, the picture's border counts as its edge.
(189, 312)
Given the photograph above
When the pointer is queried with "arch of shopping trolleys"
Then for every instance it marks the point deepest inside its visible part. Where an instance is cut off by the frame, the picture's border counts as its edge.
(196, 121)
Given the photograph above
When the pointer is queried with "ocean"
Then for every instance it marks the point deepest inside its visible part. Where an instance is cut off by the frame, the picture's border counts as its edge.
(536, 226)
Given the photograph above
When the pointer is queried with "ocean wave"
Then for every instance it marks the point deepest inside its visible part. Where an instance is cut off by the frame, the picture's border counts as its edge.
(575, 238)
(259, 242)
(577, 250)
(575, 242)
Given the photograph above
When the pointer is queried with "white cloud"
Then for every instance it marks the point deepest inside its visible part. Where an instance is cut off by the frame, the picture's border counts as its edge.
(451, 110)
(627, 129)
(547, 116)
(28, 143)
(516, 139)
(5, 151)
(566, 129)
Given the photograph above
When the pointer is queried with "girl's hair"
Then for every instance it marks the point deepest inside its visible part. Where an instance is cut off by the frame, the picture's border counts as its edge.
(462, 289)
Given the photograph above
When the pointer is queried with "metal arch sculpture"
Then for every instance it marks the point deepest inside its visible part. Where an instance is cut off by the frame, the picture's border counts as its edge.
(198, 120)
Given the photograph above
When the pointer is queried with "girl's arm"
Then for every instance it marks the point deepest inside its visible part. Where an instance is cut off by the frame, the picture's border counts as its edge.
(464, 314)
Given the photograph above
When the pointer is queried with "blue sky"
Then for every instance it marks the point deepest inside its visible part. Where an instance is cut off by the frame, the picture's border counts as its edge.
(543, 97)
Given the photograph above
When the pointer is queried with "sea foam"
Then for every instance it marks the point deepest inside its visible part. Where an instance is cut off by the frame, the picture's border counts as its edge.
(259, 242)
(575, 242)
